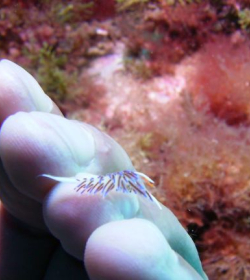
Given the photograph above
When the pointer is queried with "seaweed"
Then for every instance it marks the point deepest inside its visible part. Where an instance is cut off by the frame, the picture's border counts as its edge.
(53, 79)
(124, 5)
(244, 18)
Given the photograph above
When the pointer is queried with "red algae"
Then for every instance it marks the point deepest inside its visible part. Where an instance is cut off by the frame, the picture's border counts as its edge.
(221, 79)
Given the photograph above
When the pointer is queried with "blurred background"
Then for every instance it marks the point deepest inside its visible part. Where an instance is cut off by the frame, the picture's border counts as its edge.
(170, 81)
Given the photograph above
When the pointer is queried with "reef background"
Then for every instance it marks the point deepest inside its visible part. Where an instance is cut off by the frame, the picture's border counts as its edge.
(170, 81)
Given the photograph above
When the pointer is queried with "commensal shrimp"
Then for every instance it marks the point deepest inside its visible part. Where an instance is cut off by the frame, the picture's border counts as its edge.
(124, 181)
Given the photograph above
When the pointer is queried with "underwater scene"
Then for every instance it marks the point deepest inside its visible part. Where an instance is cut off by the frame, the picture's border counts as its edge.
(138, 163)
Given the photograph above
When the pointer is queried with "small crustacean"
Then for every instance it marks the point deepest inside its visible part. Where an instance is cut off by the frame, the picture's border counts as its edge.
(124, 181)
